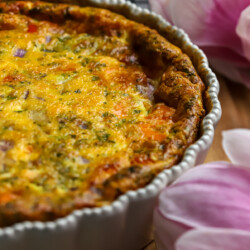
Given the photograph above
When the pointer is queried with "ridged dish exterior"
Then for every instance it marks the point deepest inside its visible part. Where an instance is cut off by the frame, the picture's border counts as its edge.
(127, 222)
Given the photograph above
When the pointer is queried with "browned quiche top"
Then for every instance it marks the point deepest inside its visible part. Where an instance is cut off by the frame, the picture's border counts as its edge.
(91, 105)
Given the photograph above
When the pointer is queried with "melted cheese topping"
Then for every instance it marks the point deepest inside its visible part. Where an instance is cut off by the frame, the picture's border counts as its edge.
(69, 103)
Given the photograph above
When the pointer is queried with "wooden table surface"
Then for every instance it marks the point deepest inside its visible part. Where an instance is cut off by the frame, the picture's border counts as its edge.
(235, 103)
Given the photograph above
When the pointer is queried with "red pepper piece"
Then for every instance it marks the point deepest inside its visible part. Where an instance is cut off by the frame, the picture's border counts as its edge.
(32, 28)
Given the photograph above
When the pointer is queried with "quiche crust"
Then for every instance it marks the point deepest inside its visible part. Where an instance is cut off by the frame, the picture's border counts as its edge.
(91, 105)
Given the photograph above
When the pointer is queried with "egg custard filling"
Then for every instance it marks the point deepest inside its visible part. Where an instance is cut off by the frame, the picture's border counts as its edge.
(89, 108)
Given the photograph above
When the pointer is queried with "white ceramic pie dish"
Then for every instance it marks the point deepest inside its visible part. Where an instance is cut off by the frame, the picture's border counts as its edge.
(127, 222)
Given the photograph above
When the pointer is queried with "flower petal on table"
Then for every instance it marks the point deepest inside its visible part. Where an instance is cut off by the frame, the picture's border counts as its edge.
(236, 144)
(243, 31)
(210, 195)
(214, 238)
(167, 231)
(200, 196)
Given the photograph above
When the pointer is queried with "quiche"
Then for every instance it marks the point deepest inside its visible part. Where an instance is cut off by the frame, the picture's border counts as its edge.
(91, 105)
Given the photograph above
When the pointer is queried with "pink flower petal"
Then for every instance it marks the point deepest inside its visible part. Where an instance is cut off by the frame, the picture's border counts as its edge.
(212, 238)
(160, 7)
(211, 24)
(231, 70)
(221, 24)
(236, 144)
(210, 195)
(185, 14)
(167, 231)
(208, 23)
(243, 31)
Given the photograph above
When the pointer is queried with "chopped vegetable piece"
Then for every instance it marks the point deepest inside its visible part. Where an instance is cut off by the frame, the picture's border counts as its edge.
(32, 28)
(20, 53)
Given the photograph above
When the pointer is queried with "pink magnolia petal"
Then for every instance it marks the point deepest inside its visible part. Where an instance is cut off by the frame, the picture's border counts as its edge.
(189, 15)
(201, 196)
(236, 144)
(221, 24)
(211, 195)
(227, 55)
(167, 231)
(159, 7)
(243, 31)
(208, 23)
(212, 238)
(231, 70)
(212, 25)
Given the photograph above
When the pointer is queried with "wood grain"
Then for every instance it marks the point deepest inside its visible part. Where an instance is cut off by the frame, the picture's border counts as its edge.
(235, 103)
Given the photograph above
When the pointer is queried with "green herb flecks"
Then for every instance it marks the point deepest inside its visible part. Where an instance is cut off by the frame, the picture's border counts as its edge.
(136, 111)
(85, 62)
(10, 97)
(95, 78)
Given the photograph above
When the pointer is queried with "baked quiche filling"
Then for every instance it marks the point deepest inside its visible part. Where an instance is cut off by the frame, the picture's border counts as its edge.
(88, 110)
